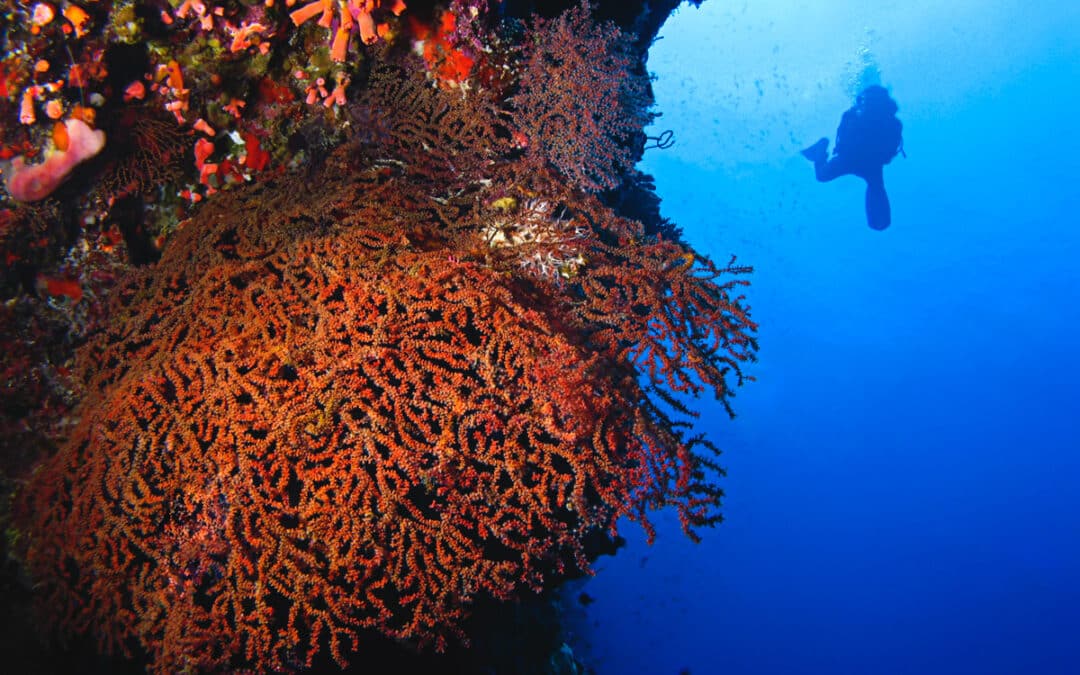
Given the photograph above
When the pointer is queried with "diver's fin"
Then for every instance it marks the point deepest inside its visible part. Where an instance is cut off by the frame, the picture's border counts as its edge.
(818, 152)
(878, 210)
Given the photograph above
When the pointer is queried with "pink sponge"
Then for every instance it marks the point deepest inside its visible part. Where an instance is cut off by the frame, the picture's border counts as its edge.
(29, 183)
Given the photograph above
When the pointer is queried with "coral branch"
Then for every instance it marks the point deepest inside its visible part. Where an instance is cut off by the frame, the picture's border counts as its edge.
(582, 102)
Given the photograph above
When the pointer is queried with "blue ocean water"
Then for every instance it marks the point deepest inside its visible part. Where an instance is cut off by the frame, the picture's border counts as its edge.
(904, 477)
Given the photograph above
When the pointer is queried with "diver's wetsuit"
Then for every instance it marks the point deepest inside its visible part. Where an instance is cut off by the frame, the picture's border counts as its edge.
(865, 141)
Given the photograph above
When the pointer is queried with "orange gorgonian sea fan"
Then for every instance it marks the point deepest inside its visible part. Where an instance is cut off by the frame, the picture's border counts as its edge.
(344, 409)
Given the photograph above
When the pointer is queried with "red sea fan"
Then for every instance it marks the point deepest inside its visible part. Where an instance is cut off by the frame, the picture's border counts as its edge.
(340, 403)
(298, 429)
(581, 105)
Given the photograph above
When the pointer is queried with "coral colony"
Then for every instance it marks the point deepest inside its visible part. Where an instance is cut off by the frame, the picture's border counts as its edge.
(335, 319)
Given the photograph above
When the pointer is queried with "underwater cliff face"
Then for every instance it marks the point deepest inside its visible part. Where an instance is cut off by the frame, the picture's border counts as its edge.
(902, 485)
(402, 337)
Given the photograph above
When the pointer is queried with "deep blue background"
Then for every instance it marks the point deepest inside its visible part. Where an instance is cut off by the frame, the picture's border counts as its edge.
(904, 477)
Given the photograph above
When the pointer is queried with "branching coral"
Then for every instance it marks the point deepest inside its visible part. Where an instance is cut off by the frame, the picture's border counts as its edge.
(582, 104)
(346, 402)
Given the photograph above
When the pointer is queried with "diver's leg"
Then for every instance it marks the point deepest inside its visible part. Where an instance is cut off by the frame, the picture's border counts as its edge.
(824, 168)
(878, 211)
(826, 171)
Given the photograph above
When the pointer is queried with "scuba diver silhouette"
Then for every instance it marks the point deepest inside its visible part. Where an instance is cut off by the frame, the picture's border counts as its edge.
(868, 138)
